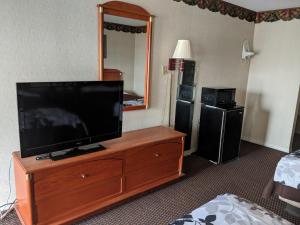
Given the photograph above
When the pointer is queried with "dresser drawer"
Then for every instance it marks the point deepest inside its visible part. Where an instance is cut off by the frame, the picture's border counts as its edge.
(75, 200)
(153, 155)
(62, 190)
(141, 177)
(60, 180)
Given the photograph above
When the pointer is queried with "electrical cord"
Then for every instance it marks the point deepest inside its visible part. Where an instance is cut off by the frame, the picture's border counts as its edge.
(9, 178)
(8, 204)
(11, 205)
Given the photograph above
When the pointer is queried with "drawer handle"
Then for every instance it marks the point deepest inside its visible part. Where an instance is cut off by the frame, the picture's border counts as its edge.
(83, 176)
(156, 155)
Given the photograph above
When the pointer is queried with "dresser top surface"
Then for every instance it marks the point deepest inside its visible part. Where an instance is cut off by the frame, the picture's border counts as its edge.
(128, 140)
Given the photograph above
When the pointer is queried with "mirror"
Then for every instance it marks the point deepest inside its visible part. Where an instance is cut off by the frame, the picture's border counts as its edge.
(124, 50)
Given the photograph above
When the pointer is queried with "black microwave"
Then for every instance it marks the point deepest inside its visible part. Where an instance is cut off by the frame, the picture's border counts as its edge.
(218, 97)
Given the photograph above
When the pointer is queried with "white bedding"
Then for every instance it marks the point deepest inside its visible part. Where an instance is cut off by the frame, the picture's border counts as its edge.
(229, 209)
(134, 102)
(288, 170)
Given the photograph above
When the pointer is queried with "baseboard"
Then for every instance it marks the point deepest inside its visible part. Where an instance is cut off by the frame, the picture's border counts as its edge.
(252, 140)
(269, 145)
(189, 152)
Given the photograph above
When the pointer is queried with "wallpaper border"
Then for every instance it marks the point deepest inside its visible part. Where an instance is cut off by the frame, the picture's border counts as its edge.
(226, 8)
(125, 28)
(276, 15)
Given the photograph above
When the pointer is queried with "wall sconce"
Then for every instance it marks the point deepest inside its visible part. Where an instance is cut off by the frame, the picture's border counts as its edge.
(247, 53)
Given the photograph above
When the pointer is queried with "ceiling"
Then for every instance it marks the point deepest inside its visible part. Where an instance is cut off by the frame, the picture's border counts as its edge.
(265, 5)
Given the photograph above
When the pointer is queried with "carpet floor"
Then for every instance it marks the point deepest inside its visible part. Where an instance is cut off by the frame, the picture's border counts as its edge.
(245, 177)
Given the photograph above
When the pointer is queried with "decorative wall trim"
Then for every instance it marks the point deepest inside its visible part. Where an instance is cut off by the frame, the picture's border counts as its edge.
(226, 8)
(125, 28)
(283, 14)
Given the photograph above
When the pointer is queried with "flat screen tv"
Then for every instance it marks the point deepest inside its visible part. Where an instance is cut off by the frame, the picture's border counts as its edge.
(54, 116)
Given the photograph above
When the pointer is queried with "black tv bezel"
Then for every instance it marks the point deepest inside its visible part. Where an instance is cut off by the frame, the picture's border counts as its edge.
(27, 152)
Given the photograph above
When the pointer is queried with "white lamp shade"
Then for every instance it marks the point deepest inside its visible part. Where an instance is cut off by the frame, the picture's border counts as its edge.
(183, 50)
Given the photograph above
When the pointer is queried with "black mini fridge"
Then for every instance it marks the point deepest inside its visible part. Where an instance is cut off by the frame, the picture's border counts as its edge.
(220, 133)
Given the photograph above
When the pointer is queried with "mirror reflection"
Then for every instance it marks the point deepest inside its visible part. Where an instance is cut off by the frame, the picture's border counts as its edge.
(125, 53)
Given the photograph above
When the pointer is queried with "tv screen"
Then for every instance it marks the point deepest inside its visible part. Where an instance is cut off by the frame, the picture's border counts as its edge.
(60, 115)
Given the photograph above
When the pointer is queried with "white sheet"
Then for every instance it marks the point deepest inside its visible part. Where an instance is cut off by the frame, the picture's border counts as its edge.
(288, 170)
(229, 209)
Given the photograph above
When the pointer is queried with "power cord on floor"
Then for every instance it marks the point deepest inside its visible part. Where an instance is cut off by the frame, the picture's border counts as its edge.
(9, 183)
(4, 212)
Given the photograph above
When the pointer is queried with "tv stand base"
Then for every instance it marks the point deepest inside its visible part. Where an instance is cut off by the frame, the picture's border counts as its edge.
(65, 191)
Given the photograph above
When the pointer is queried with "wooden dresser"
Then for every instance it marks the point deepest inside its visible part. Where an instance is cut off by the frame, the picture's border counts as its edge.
(61, 192)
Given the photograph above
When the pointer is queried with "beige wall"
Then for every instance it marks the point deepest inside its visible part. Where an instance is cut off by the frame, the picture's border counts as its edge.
(273, 85)
(57, 41)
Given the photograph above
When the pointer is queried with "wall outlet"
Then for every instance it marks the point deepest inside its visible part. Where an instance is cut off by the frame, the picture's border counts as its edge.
(164, 70)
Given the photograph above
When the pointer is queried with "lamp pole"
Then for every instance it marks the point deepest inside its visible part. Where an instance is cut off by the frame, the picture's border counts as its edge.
(182, 51)
(170, 100)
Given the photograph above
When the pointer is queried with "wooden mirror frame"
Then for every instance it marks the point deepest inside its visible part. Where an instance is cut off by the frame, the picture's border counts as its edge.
(123, 9)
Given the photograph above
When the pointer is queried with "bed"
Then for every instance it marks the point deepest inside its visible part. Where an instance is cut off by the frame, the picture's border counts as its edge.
(229, 209)
(286, 182)
(132, 99)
